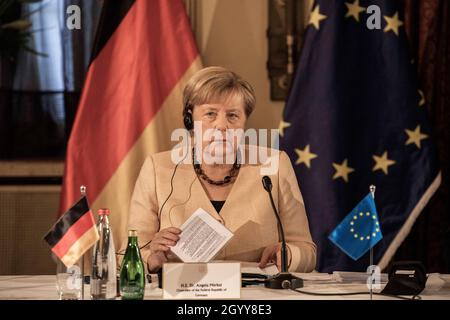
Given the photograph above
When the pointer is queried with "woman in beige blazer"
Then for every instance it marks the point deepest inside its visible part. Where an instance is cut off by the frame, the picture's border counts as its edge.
(167, 192)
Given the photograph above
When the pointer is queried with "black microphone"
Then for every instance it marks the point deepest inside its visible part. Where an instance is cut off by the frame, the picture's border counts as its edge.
(283, 280)
(267, 184)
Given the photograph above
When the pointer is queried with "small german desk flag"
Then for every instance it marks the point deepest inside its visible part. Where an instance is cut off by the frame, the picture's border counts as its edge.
(74, 233)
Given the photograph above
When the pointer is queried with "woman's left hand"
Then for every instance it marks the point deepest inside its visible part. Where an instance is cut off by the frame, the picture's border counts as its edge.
(272, 254)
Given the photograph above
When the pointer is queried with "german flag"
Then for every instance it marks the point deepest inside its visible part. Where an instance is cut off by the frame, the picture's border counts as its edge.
(143, 55)
(73, 234)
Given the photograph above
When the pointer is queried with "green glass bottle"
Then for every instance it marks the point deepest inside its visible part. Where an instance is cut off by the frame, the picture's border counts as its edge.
(132, 272)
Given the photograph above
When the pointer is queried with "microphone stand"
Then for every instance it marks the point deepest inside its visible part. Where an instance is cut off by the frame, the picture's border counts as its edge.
(284, 279)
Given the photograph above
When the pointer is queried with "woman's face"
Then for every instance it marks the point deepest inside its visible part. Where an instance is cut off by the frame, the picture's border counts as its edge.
(220, 124)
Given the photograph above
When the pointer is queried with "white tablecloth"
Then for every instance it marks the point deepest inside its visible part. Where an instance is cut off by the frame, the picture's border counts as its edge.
(44, 288)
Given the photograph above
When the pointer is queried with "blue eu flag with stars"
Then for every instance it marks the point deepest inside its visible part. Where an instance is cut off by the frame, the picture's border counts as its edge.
(356, 116)
(360, 229)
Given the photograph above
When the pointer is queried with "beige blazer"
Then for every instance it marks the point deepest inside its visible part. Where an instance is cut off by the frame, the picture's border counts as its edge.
(247, 211)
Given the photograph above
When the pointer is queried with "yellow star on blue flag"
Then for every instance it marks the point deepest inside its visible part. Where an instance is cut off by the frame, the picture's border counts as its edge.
(365, 127)
(360, 229)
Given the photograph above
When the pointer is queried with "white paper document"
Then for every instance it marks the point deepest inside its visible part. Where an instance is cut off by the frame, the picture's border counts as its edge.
(202, 237)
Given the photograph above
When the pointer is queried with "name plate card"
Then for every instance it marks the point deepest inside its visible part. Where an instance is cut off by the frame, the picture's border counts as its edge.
(214, 280)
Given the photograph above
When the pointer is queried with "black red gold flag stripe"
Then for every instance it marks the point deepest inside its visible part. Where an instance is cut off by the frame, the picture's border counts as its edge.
(111, 16)
(131, 102)
(73, 234)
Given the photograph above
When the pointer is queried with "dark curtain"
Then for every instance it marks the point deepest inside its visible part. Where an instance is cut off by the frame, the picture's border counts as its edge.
(39, 95)
(427, 23)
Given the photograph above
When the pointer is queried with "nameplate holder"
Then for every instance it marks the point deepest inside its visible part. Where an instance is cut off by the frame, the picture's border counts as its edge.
(214, 280)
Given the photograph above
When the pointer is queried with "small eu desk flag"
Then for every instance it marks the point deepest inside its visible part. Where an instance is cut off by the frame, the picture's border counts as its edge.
(360, 229)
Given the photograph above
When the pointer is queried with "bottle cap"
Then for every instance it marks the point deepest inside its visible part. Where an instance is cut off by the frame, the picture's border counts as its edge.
(103, 211)
(132, 233)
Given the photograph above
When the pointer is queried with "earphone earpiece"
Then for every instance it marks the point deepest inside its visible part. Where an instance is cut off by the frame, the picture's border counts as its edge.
(188, 122)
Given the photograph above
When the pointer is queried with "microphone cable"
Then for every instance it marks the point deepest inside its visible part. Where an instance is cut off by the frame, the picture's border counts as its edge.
(415, 297)
(260, 279)
(164, 203)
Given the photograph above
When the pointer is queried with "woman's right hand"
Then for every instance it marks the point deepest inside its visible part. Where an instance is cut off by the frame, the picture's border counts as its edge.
(160, 246)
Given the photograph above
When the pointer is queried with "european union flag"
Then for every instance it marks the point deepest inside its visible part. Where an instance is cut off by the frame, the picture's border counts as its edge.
(356, 116)
(360, 229)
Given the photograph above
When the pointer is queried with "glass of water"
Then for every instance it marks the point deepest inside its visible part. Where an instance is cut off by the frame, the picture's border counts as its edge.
(69, 281)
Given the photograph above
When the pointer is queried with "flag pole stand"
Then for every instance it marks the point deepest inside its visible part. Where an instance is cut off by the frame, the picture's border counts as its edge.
(372, 270)
(82, 277)
(83, 194)
(371, 275)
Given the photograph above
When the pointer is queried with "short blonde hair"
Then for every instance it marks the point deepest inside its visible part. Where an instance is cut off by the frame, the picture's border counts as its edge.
(218, 83)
